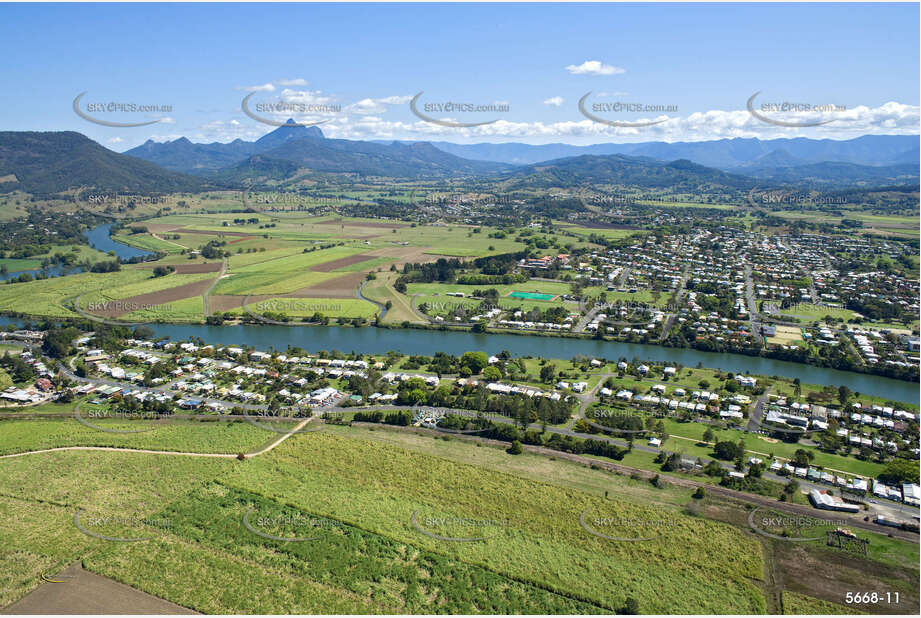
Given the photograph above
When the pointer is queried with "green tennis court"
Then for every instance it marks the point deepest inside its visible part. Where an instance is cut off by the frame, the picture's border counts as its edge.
(531, 295)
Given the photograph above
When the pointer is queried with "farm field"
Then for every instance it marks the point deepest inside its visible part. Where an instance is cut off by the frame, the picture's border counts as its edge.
(318, 485)
(321, 258)
(306, 307)
(47, 297)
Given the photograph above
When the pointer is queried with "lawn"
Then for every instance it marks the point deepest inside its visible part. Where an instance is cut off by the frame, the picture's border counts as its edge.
(816, 313)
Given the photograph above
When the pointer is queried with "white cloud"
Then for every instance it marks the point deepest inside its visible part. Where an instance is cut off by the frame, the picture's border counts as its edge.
(376, 106)
(554, 101)
(116, 140)
(259, 88)
(367, 119)
(594, 67)
(315, 97)
(167, 120)
(292, 82)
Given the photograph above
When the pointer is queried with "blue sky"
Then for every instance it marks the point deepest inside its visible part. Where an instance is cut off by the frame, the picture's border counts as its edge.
(702, 61)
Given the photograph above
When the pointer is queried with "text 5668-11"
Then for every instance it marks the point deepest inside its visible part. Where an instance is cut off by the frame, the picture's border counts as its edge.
(872, 597)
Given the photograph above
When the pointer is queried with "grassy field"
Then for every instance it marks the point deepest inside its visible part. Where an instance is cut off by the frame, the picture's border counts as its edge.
(190, 309)
(80, 252)
(354, 491)
(17, 436)
(816, 313)
(306, 307)
(46, 297)
(538, 559)
(381, 290)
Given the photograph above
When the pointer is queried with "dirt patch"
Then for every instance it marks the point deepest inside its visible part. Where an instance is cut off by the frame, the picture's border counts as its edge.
(76, 591)
(830, 574)
(340, 287)
(194, 269)
(406, 255)
(160, 228)
(374, 224)
(124, 306)
(328, 267)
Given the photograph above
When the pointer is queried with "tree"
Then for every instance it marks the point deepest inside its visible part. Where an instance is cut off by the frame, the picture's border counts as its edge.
(547, 373)
(709, 436)
(844, 393)
(515, 448)
(699, 494)
(475, 361)
(492, 373)
(727, 451)
(802, 457)
(900, 471)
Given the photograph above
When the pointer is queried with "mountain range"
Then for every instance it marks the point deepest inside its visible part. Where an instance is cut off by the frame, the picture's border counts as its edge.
(52, 162)
(724, 154)
(42, 163)
(308, 148)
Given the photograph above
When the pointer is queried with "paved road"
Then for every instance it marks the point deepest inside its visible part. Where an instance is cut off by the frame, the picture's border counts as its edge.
(754, 320)
(754, 420)
(679, 296)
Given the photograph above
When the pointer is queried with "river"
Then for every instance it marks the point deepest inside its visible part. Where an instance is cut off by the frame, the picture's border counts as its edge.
(371, 340)
(100, 240)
